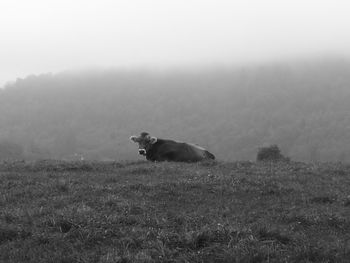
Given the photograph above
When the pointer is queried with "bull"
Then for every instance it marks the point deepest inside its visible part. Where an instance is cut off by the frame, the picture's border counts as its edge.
(156, 149)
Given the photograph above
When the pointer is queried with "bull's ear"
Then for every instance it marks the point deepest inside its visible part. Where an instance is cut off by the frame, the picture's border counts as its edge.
(153, 140)
(133, 138)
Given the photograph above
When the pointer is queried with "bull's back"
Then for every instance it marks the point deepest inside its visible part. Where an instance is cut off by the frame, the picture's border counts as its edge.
(209, 155)
(201, 153)
(182, 152)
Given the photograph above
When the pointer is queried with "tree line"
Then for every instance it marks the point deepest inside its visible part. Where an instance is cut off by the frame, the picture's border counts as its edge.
(301, 107)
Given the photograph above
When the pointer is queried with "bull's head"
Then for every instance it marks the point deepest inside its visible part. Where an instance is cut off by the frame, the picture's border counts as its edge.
(145, 142)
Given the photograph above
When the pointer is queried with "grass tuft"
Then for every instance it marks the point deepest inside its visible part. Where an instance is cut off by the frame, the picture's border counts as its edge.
(62, 186)
(323, 199)
(9, 233)
(265, 234)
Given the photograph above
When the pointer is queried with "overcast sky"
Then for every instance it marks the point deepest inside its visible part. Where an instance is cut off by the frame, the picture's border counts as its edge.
(40, 36)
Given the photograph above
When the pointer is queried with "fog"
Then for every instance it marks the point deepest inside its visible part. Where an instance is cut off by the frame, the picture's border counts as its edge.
(42, 36)
(80, 77)
(302, 107)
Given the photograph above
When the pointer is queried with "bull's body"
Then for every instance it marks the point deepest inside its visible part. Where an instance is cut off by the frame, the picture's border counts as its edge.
(169, 150)
(156, 149)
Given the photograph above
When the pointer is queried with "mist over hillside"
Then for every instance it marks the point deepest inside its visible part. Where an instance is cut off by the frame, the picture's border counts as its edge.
(302, 107)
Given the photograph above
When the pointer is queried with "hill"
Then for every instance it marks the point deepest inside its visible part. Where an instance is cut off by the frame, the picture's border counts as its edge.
(302, 107)
(54, 211)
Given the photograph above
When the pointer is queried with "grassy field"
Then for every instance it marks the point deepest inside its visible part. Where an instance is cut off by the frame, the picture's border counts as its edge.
(52, 211)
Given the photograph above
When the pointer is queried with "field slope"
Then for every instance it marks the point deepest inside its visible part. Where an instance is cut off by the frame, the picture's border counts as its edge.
(52, 211)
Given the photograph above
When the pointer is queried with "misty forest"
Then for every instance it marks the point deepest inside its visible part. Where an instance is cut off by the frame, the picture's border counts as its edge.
(303, 107)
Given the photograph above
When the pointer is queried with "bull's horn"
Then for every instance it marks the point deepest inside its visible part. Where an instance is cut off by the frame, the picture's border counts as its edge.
(133, 138)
